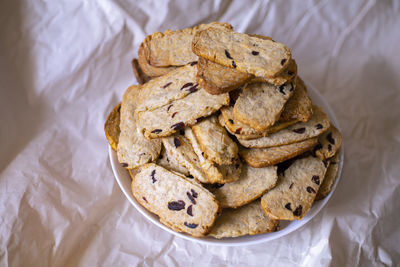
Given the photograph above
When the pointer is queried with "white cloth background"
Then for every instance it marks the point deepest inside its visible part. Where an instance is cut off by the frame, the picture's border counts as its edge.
(65, 64)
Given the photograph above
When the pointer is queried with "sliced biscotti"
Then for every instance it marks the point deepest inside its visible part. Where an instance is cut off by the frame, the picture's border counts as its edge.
(218, 79)
(163, 90)
(253, 55)
(149, 70)
(263, 157)
(246, 220)
(168, 160)
(180, 203)
(253, 182)
(133, 148)
(173, 48)
(295, 192)
(216, 173)
(259, 105)
(329, 143)
(180, 148)
(330, 177)
(140, 76)
(300, 131)
(168, 119)
(215, 142)
(299, 106)
(111, 127)
(243, 131)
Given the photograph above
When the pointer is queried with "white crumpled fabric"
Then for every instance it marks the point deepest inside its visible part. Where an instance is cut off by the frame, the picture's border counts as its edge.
(65, 64)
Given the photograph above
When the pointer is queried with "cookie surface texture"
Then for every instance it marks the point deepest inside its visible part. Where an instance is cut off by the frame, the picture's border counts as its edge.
(260, 104)
(330, 177)
(111, 127)
(133, 148)
(262, 58)
(181, 204)
(247, 220)
(253, 182)
(215, 142)
(295, 192)
(263, 157)
(300, 131)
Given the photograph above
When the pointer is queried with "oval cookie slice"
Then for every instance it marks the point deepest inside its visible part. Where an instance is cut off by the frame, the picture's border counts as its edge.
(181, 204)
(295, 192)
(329, 142)
(253, 182)
(300, 131)
(330, 177)
(247, 220)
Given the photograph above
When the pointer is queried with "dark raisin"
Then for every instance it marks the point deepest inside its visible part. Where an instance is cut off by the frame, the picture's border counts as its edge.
(178, 126)
(194, 193)
(233, 64)
(156, 131)
(231, 121)
(169, 107)
(329, 147)
(177, 143)
(152, 176)
(189, 195)
(193, 63)
(218, 185)
(318, 147)
(181, 132)
(190, 176)
(124, 164)
(291, 87)
(173, 114)
(189, 210)
(190, 225)
(298, 210)
(227, 54)
(281, 89)
(290, 73)
(330, 138)
(310, 189)
(176, 205)
(288, 206)
(283, 61)
(186, 85)
(255, 53)
(299, 130)
(238, 130)
(290, 186)
(145, 199)
(193, 88)
(319, 126)
(166, 85)
(202, 153)
(315, 179)
(199, 119)
(237, 165)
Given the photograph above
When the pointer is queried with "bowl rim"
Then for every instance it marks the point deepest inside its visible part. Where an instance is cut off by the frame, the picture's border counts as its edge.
(121, 175)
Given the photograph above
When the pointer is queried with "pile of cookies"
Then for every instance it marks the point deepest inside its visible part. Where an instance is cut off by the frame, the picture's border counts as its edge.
(220, 137)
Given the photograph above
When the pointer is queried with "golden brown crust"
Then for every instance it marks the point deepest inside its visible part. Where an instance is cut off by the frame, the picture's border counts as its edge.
(263, 157)
(111, 127)
(141, 77)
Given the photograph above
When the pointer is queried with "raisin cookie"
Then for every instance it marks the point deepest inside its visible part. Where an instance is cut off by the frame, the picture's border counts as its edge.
(329, 143)
(246, 220)
(249, 54)
(330, 177)
(300, 131)
(295, 192)
(181, 204)
(263, 157)
(133, 148)
(111, 127)
(253, 182)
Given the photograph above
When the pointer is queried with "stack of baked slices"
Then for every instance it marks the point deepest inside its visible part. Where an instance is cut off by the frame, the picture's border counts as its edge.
(220, 137)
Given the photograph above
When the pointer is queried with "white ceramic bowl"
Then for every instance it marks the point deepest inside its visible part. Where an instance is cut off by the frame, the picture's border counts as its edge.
(124, 181)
